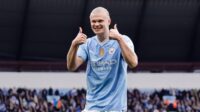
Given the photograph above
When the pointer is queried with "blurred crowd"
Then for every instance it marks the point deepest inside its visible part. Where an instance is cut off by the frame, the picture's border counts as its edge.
(73, 100)
(185, 101)
(41, 100)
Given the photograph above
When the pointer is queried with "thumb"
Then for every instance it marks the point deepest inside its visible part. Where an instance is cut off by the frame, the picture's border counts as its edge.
(80, 30)
(115, 26)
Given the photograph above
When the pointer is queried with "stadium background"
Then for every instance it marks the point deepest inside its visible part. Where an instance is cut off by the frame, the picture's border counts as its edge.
(35, 36)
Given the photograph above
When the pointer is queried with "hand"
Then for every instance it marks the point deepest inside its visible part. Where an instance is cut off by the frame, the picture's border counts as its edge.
(114, 33)
(80, 38)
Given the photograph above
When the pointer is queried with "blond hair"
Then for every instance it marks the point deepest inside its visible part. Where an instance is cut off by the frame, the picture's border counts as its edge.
(100, 10)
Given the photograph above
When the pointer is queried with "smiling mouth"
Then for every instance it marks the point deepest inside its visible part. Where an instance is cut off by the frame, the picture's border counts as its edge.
(98, 27)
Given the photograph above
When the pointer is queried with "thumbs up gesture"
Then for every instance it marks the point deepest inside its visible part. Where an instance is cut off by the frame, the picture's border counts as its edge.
(80, 38)
(114, 33)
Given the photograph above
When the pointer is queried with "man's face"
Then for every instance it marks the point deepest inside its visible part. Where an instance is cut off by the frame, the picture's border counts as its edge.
(99, 23)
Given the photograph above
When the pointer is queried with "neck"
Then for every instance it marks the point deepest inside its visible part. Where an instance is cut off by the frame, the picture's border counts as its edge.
(103, 36)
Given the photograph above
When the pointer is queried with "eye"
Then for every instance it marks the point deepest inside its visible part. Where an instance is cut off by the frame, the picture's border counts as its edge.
(100, 21)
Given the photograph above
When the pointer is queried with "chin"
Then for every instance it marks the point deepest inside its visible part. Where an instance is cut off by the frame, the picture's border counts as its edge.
(98, 32)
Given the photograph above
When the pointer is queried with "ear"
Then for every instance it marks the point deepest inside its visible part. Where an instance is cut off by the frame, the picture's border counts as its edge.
(109, 21)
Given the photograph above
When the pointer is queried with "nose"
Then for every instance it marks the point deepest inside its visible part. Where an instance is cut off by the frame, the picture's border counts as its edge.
(96, 24)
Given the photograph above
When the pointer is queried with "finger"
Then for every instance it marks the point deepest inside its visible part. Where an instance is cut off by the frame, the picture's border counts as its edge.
(80, 30)
(115, 26)
(83, 40)
(111, 30)
(84, 36)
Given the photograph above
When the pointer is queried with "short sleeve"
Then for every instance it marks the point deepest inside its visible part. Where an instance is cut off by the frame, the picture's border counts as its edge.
(129, 42)
(82, 51)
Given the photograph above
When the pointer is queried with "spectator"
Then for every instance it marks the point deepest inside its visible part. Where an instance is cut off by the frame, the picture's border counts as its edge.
(27, 100)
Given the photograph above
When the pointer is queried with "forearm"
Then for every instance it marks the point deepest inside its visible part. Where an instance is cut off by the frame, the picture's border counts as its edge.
(71, 58)
(128, 54)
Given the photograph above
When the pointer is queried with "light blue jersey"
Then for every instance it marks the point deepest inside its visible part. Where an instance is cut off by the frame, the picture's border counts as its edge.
(106, 74)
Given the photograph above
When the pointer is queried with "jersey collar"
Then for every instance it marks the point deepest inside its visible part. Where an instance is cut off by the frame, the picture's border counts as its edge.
(101, 43)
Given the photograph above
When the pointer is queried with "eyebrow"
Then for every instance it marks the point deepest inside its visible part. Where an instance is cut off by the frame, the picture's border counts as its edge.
(99, 20)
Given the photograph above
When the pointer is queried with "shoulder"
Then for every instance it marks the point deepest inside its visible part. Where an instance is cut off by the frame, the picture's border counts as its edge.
(90, 40)
(126, 38)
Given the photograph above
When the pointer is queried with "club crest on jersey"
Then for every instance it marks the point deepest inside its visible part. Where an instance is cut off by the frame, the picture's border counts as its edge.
(111, 50)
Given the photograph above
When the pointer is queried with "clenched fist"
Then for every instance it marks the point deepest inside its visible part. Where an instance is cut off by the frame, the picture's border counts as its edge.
(114, 33)
(80, 38)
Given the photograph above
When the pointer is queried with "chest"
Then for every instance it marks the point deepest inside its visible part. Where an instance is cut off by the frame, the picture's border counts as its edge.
(108, 51)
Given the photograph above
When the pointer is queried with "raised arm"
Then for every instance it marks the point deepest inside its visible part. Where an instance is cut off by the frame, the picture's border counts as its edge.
(128, 54)
(73, 61)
